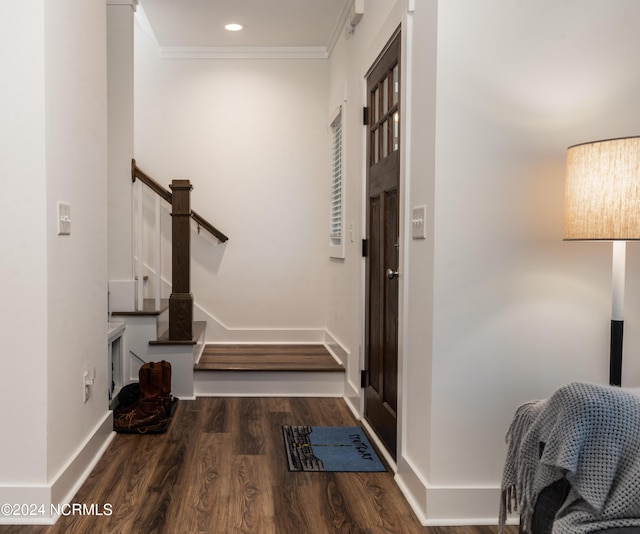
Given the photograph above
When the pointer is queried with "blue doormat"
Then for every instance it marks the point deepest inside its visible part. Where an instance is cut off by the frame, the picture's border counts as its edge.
(329, 448)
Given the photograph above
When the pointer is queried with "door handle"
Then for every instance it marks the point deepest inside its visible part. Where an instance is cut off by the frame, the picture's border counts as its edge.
(391, 274)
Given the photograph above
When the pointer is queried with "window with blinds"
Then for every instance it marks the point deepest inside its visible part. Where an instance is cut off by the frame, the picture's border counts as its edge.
(336, 231)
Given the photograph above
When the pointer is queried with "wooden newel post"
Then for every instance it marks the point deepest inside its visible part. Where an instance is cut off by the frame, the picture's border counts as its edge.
(181, 299)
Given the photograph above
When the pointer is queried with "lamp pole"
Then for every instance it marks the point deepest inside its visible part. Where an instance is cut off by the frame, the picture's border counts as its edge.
(617, 312)
(602, 203)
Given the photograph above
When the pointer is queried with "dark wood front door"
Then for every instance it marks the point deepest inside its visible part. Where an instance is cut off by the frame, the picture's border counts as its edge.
(383, 173)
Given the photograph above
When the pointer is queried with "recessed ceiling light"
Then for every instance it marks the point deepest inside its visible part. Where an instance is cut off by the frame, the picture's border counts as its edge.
(233, 27)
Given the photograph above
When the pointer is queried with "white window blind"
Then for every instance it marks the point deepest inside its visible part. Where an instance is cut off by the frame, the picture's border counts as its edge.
(336, 229)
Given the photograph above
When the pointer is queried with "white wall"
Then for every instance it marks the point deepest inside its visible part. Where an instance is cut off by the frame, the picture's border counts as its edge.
(252, 137)
(54, 149)
(497, 309)
(76, 141)
(120, 104)
(420, 44)
(24, 263)
(517, 312)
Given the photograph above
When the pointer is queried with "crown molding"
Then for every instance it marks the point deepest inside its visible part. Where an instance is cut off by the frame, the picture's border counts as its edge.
(131, 3)
(207, 52)
(340, 26)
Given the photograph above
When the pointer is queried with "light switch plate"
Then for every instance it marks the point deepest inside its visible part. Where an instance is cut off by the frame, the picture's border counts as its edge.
(64, 219)
(419, 228)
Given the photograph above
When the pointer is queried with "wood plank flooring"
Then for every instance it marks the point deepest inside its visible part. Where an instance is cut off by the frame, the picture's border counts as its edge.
(221, 468)
(267, 358)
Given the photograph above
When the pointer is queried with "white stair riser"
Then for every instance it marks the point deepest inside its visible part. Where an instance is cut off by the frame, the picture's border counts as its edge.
(268, 384)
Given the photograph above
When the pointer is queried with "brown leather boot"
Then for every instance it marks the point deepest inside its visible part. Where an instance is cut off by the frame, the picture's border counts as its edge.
(147, 416)
(151, 387)
(150, 376)
(165, 390)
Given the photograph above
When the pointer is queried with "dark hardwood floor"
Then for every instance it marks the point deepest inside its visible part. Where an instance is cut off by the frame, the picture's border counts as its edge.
(220, 468)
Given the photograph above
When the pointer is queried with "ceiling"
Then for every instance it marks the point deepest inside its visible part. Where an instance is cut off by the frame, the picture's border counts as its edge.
(311, 25)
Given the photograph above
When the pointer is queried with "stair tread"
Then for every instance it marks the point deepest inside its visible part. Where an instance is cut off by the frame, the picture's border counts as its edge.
(267, 357)
(198, 328)
(148, 308)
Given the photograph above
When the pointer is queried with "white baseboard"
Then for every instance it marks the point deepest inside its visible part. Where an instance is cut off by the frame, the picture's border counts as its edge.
(414, 490)
(451, 506)
(336, 348)
(448, 505)
(352, 407)
(78, 469)
(65, 484)
(217, 332)
(352, 398)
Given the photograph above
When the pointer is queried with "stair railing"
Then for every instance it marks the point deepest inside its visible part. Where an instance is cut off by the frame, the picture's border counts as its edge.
(180, 249)
(167, 195)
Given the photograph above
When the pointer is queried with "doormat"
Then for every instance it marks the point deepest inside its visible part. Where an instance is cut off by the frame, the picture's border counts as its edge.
(329, 448)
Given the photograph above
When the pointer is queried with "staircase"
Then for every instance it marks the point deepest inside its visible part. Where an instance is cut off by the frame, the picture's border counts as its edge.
(147, 340)
(201, 369)
(164, 329)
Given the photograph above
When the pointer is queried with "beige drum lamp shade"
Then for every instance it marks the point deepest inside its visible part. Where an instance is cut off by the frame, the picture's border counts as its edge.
(602, 194)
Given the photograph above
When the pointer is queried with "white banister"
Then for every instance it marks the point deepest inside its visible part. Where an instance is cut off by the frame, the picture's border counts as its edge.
(139, 248)
(149, 232)
(158, 255)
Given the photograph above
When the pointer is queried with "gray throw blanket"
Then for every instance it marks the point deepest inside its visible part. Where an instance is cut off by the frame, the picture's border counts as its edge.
(591, 435)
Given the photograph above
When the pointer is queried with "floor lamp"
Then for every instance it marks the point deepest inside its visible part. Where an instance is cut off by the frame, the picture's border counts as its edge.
(602, 203)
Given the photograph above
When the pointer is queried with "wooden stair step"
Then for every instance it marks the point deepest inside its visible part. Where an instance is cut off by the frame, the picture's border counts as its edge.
(148, 308)
(267, 357)
(198, 329)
